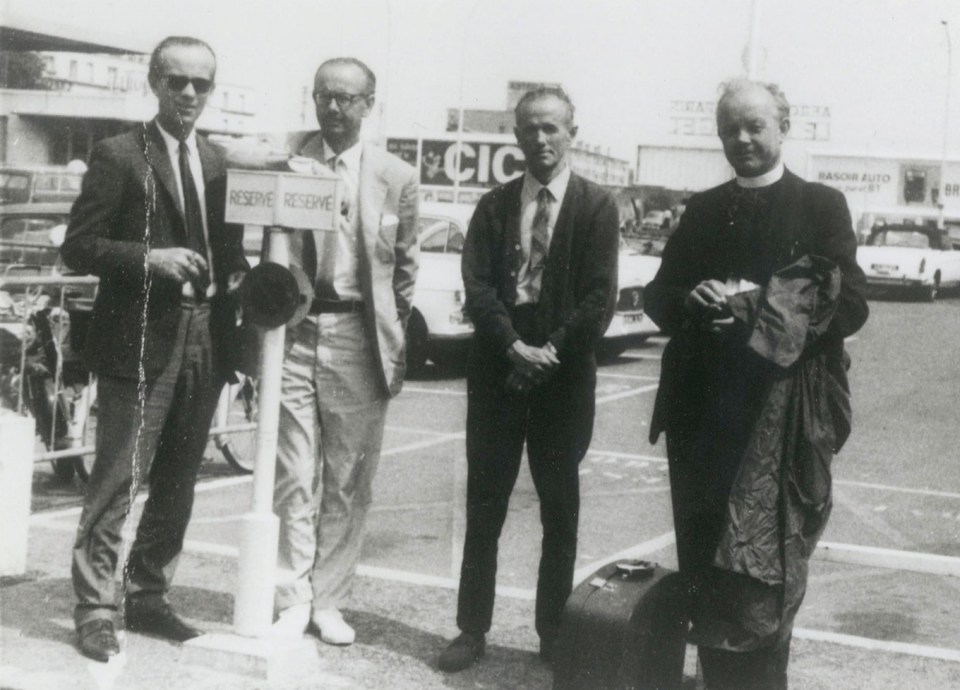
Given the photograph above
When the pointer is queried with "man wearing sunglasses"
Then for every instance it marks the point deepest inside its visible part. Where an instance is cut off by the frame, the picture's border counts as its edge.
(149, 223)
(345, 360)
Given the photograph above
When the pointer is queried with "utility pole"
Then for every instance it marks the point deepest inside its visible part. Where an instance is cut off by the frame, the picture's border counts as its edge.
(941, 195)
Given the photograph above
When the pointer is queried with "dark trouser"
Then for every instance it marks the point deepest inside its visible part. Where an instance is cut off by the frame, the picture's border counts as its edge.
(556, 421)
(158, 432)
(761, 669)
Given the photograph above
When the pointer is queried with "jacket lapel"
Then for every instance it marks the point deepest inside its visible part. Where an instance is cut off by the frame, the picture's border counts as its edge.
(155, 151)
(372, 193)
(210, 161)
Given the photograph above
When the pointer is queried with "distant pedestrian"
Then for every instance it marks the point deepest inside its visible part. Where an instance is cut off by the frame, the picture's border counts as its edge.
(758, 287)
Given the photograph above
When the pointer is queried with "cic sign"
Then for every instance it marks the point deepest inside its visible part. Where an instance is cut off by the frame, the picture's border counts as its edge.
(286, 199)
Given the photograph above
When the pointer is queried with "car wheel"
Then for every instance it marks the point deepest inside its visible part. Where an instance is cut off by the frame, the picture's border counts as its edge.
(416, 342)
(62, 470)
(450, 356)
(609, 350)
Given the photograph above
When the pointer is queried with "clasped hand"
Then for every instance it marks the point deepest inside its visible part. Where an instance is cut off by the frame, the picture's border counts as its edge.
(531, 365)
(707, 303)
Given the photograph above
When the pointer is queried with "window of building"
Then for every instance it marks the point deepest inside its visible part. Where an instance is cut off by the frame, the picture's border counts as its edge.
(89, 73)
(73, 70)
(112, 77)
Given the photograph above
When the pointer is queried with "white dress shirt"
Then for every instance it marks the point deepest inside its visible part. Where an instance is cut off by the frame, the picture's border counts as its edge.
(346, 277)
(527, 289)
(196, 169)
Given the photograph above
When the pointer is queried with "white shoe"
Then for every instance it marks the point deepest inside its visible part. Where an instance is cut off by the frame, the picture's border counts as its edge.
(292, 621)
(333, 629)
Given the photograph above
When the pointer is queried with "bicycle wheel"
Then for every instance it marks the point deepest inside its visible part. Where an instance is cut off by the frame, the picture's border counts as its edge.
(239, 447)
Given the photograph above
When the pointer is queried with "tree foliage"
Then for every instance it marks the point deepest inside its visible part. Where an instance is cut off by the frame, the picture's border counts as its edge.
(21, 70)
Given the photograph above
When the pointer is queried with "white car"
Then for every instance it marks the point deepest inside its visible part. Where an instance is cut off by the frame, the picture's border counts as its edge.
(439, 328)
(917, 258)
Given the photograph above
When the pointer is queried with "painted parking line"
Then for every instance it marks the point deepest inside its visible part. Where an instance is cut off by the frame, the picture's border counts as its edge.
(433, 391)
(896, 489)
(626, 394)
(640, 355)
(635, 377)
(637, 551)
(201, 487)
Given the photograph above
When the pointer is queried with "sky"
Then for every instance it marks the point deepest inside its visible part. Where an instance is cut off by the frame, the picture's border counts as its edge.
(879, 66)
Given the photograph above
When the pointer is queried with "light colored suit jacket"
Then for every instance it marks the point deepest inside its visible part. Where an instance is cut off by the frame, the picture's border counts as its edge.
(389, 253)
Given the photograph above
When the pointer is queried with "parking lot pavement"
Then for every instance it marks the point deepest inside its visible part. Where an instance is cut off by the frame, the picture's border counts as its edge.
(897, 487)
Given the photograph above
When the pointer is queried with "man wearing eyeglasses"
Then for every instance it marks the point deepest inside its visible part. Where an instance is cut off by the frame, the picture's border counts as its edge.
(345, 360)
(149, 223)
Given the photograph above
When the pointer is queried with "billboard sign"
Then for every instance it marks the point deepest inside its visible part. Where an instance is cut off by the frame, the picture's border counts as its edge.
(484, 164)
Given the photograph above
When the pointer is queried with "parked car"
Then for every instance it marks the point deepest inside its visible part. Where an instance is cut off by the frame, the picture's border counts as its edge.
(30, 236)
(439, 329)
(915, 258)
(25, 185)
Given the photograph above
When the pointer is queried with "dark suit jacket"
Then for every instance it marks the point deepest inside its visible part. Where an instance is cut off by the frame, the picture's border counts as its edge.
(128, 204)
(806, 219)
(579, 286)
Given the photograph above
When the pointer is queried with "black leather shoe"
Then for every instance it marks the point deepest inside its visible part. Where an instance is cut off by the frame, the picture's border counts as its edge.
(463, 652)
(97, 640)
(155, 617)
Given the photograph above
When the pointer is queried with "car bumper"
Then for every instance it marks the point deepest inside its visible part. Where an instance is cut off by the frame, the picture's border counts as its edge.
(626, 324)
(898, 281)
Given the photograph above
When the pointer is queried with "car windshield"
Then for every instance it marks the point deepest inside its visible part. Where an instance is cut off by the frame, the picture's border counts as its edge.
(440, 236)
(14, 187)
(900, 238)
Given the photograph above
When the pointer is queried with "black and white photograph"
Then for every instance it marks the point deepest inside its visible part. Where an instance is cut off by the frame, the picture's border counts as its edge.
(509, 344)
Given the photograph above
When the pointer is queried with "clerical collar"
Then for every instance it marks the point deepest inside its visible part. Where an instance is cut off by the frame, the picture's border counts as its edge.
(764, 180)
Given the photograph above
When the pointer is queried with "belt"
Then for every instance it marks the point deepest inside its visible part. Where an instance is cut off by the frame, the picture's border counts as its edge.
(336, 306)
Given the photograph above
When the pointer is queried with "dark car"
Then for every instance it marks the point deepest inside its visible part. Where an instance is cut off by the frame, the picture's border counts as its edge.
(30, 236)
(39, 185)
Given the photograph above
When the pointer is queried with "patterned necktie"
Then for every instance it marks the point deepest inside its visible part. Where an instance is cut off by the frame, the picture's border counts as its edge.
(539, 236)
(192, 214)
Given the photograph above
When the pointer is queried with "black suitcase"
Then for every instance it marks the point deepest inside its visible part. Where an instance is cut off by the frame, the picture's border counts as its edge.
(622, 628)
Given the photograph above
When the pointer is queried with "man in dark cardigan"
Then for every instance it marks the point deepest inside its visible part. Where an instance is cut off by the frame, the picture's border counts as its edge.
(540, 273)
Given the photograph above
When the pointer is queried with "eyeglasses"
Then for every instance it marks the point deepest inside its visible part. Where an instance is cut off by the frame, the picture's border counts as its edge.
(344, 100)
(178, 82)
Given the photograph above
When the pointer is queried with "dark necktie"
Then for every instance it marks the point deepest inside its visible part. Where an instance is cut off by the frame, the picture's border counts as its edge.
(539, 236)
(192, 215)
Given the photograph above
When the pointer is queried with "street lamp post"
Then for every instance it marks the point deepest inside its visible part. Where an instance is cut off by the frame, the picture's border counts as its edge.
(941, 195)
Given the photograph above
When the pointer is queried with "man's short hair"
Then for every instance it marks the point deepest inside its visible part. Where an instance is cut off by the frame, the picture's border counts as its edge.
(733, 86)
(367, 72)
(544, 92)
(155, 72)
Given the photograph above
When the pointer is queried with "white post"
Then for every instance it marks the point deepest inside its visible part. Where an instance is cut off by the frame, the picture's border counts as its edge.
(941, 195)
(260, 528)
(16, 476)
(753, 42)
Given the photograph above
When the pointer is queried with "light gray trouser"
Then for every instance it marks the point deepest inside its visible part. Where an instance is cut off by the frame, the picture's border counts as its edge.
(332, 413)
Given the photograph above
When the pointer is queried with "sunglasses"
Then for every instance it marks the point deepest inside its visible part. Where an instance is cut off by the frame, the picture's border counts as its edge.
(178, 82)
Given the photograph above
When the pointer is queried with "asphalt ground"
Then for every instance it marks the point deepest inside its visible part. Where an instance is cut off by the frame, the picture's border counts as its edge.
(897, 486)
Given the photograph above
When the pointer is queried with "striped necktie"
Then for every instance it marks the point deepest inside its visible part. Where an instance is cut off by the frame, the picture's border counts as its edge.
(539, 236)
